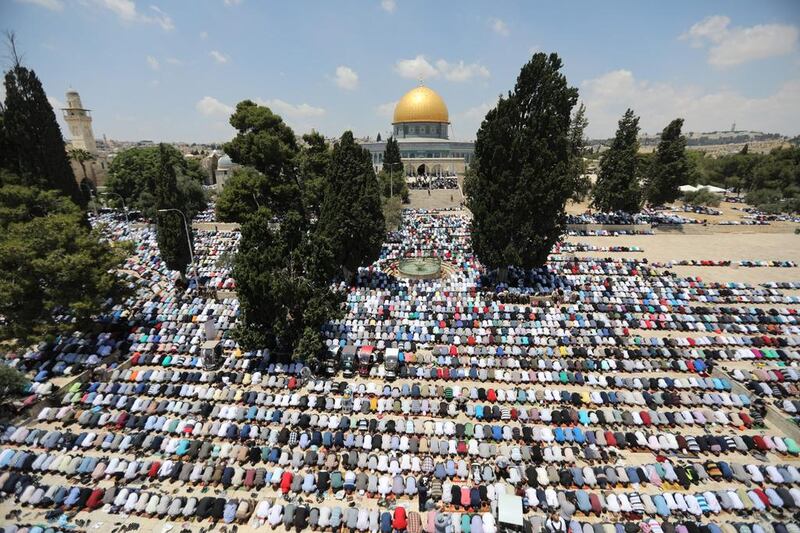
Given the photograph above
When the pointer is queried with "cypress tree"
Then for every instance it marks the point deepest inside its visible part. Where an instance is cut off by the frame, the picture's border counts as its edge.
(170, 229)
(283, 283)
(352, 218)
(617, 187)
(32, 137)
(524, 169)
(391, 156)
(670, 168)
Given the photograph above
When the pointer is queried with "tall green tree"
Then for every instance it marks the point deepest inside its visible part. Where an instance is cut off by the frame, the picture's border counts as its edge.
(393, 184)
(19, 203)
(282, 275)
(264, 142)
(31, 135)
(352, 218)
(81, 156)
(670, 168)
(391, 156)
(391, 178)
(524, 169)
(244, 193)
(577, 139)
(54, 268)
(314, 165)
(171, 228)
(133, 175)
(617, 187)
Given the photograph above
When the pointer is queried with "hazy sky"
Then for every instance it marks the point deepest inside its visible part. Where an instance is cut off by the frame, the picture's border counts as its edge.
(172, 70)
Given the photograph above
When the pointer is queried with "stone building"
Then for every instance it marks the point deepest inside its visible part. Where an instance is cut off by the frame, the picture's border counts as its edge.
(79, 122)
(421, 126)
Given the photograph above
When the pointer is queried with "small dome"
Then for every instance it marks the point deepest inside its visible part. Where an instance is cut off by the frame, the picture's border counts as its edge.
(421, 104)
(224, 162)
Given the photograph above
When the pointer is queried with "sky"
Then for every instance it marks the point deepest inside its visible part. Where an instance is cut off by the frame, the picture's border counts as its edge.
(172, 70)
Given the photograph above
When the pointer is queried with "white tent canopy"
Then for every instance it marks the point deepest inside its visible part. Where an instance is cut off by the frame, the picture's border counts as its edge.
(709, 188)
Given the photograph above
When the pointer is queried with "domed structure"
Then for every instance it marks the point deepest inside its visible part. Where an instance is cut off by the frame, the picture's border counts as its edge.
(421, 112)
(421, 127)
(224, 170)
(421, 104)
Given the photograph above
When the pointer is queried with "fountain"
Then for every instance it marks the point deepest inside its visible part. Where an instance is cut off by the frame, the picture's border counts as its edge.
(420, 267)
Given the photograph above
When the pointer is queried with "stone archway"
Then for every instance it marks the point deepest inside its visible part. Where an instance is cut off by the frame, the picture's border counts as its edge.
(421, 170)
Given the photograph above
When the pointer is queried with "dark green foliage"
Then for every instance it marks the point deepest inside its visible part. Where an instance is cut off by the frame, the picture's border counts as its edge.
(352, 218)
(23, 204)
(55, 269)
(524, 168)
(243, 194)
(578, 143)
(618, 187)
(670, 167)
(12, 383)
(81, 157)
(170, 226)
(52, 264)
(282, 276)
(770, 181)
(391, 157)
(702, 197)
(32, 143)
(314, 165)
(267, 144)
(309, 347)
(248, 189)
(393, 184)
(393, 212)
(134, 173)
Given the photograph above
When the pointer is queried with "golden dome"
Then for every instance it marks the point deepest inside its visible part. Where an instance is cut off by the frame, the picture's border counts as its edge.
(421, 104)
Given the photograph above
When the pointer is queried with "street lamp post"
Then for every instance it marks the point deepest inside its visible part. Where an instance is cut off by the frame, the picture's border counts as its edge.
(188, 241)
(124, 207)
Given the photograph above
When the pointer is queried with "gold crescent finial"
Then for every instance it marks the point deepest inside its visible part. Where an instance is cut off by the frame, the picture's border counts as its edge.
(420, 80)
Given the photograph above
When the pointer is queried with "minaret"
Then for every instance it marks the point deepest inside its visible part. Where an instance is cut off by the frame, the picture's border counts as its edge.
(79, 121)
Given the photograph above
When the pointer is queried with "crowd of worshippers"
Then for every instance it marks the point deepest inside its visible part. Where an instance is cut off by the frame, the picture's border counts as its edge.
(747, 263)
(433, 182)
(621, 218)
(571, 247)
(498, 392)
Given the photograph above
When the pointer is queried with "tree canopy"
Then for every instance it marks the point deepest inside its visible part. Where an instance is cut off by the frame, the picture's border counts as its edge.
(524, 168)
(577, 140)
(702, 197)
(351, 218)
(244, 193)
(55, 268)
(133, 174)
(171, 226)
(391, 156)
(12, 383)
(769, 181)
(30, 139)
(282, 274)
(670, 167)
(314, 165)
(617, 187)
(264, 142)
(393, 184)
